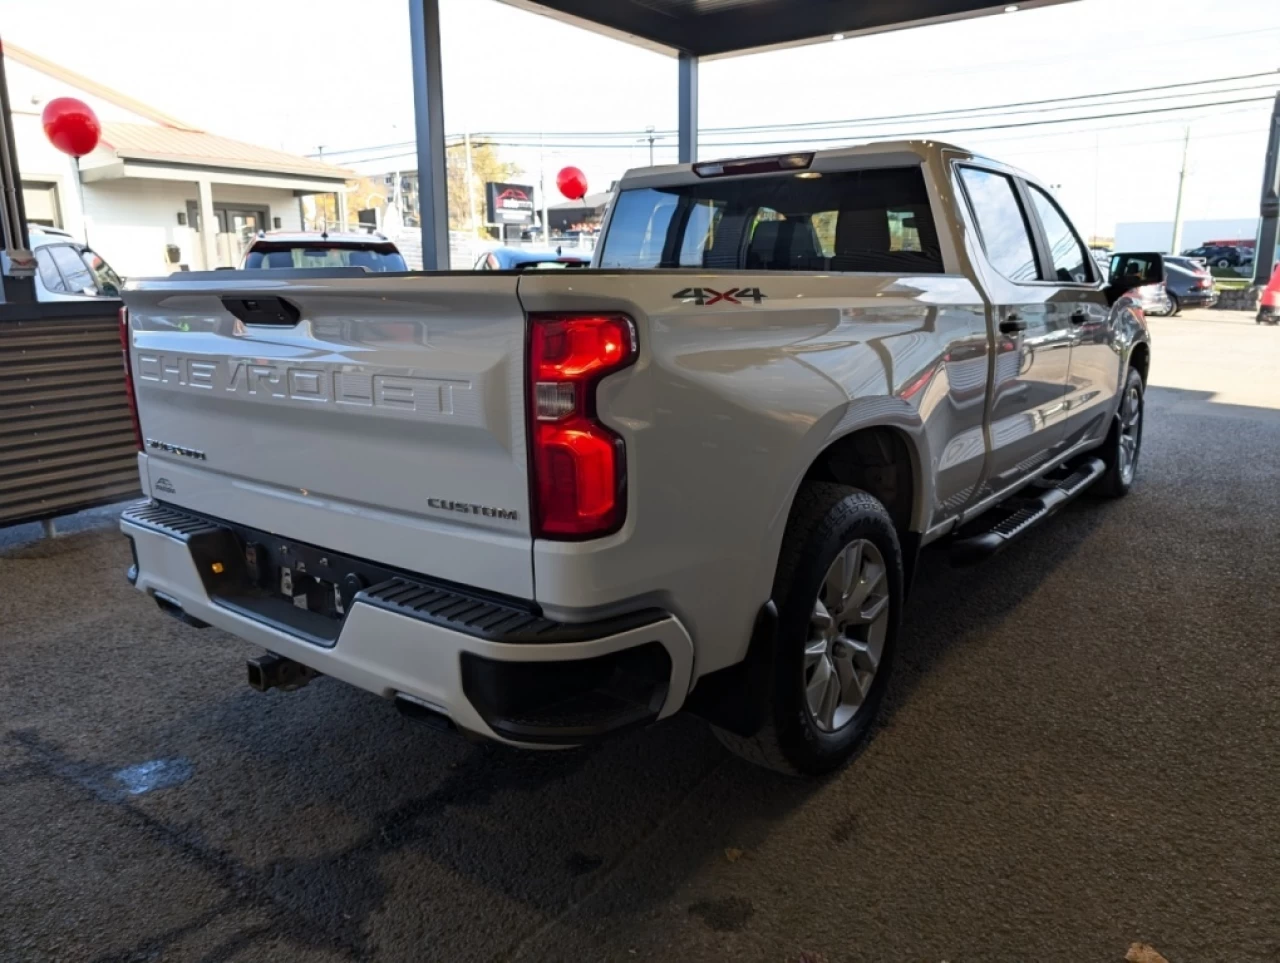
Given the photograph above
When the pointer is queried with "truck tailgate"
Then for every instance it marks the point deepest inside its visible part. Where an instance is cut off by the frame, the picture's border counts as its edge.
(379, 417)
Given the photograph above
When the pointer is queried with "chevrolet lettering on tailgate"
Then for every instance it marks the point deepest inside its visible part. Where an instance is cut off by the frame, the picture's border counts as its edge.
(274, 380)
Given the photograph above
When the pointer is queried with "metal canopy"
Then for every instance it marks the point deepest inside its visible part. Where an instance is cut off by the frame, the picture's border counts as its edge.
(690, 30)
(721, 28)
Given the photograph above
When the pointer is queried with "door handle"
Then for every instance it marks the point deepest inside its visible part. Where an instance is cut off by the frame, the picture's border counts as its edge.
(1079, 316)
(1013, 324)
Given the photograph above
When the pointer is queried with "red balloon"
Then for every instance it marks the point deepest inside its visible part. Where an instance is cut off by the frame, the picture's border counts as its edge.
(572, 183)
(71, 126)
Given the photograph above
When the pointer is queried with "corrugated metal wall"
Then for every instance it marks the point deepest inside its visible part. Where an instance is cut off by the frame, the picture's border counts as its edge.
(66, 439)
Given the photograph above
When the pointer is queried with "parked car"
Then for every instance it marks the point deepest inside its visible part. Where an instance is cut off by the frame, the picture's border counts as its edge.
(1187, 288)
(1269, 303)
(550, 506)
(67, 270)
(1196, 265)
(373, 252)
(1221, 256)
(522, 259)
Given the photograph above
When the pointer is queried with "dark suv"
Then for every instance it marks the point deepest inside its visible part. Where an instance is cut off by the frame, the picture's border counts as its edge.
(1218, 255)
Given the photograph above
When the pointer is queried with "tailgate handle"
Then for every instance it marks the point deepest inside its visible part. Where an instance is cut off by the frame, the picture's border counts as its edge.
(266, 310)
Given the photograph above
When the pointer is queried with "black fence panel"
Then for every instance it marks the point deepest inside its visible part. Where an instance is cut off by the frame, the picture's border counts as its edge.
(66, 438)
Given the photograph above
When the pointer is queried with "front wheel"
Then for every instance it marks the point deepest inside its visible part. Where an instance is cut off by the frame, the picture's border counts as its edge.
(839, 591)
(1124, 441)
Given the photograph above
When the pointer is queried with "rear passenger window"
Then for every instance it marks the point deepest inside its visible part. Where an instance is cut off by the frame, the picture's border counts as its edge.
(73, 270)
(49, 275)
(1071, 262)
(1005, 235)
(876, 220)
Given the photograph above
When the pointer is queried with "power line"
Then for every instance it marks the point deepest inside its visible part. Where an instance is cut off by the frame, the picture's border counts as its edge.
(955, 111)
(1004, 110)
(493, 136)
(891, 135)
(1026, 123)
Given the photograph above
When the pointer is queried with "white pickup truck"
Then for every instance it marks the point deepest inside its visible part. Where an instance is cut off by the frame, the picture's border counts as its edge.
(545, 507)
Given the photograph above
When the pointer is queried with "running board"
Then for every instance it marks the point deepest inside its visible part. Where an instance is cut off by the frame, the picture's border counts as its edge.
(1026, 514)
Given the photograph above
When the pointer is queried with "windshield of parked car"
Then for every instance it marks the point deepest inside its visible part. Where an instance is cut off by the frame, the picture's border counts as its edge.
(854, 221)
(324, 254)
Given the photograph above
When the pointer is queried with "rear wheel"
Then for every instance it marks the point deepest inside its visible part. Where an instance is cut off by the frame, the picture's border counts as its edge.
(1124, 442)
(1175, 306)
(839, 594)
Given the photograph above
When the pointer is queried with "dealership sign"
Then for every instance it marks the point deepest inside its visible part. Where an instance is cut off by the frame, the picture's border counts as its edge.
(509, 203)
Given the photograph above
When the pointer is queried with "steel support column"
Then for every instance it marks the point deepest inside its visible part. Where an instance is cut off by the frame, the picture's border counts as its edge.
(1265, 255)
(13, 215)
(688, 113)
(208, 224)
(428, 115)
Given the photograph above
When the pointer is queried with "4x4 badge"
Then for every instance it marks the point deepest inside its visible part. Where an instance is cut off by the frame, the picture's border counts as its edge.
(702, 296)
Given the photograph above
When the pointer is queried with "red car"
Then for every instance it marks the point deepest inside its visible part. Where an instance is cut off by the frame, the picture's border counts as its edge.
(1269, 305)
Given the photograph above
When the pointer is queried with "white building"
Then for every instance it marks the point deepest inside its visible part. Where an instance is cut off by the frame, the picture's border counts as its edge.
(153, 181)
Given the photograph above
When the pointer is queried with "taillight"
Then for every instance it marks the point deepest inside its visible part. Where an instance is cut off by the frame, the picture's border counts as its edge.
(128, 376)
(578, 464)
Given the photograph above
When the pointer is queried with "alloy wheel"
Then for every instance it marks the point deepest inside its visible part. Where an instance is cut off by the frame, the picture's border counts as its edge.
(847, 632)
(1130, 432)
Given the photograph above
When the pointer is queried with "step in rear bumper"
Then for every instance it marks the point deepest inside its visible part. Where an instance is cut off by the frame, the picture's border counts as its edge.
(483, 685)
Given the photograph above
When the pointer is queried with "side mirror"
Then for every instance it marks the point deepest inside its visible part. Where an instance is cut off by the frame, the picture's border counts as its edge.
(1138, 269)
(1130, 271)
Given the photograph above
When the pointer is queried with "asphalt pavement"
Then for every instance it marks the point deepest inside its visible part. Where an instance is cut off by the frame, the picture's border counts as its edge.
(1080, 751)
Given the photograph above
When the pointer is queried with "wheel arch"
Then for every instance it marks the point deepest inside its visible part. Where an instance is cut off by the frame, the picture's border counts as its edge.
(1140, 359)
(885, 460)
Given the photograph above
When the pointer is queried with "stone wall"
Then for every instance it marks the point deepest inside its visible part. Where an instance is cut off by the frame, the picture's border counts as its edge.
(1242, 299)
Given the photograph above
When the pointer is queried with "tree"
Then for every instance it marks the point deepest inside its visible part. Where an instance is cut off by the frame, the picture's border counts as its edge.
(362, 193)
(485, 166)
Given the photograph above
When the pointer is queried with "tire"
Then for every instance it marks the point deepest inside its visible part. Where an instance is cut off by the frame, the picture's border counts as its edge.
(829, 525)
(1222, 262)
(1175, 306)
(1117, 481)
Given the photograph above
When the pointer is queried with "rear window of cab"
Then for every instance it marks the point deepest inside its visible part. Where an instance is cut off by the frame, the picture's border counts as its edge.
(861, 221)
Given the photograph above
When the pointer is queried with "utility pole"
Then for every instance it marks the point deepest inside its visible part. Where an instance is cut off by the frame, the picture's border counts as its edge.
(471, 190)
(1182, 184)
(649, 136)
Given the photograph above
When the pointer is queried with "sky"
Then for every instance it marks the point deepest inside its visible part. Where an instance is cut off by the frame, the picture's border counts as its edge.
(306, 75)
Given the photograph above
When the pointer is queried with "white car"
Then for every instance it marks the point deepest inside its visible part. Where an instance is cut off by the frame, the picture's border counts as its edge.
(283, 249)
(548, 506)
(67, 270)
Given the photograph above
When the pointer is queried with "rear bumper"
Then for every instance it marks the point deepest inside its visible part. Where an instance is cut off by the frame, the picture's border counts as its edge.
(1205, 299)
(493, 668)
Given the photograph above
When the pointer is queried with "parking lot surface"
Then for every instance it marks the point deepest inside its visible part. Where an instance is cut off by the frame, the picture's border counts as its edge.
(1080, 750)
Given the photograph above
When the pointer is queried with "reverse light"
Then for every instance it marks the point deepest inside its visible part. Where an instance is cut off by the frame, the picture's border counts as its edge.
(128, 376)
(578, 464)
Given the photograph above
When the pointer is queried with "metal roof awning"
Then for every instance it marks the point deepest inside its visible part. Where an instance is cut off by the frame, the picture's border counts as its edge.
(722, 28)
(689, 30)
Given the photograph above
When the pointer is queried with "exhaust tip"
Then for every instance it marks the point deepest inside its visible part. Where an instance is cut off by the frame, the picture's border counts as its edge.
(271, 671)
